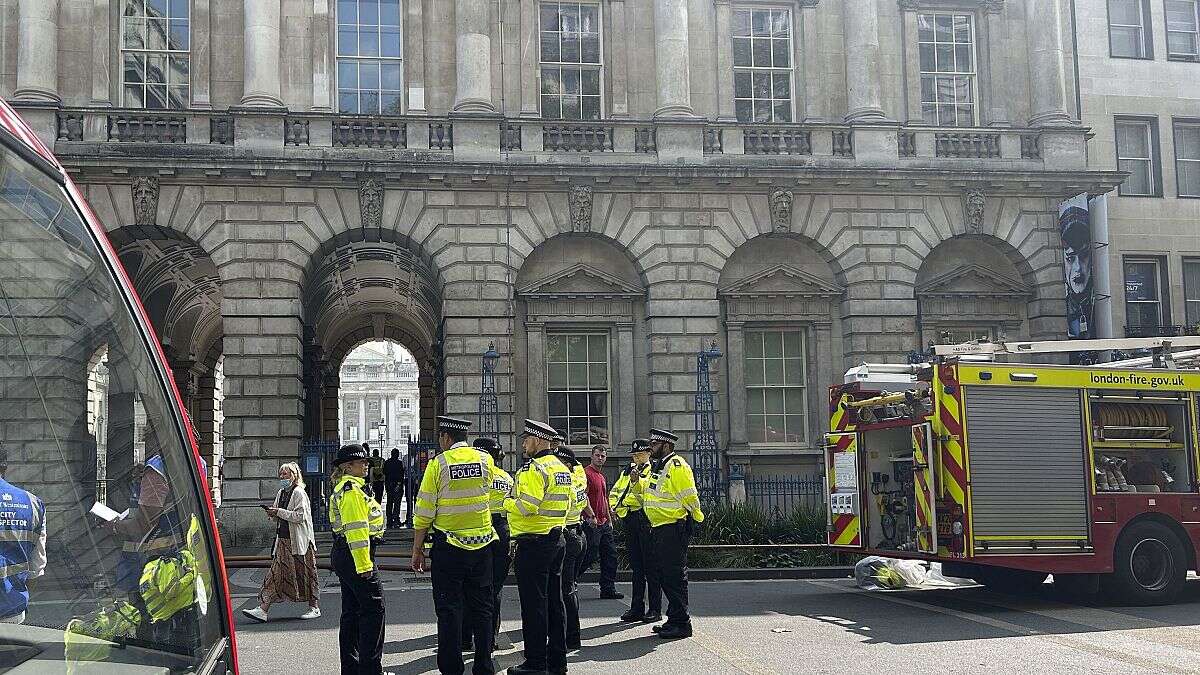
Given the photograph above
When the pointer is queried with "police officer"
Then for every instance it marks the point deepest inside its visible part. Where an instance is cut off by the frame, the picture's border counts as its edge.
(453, 502)
(22, 547)
(542, 493)
(672, 506)
(626, 501)
(576, 542)
(357, 523)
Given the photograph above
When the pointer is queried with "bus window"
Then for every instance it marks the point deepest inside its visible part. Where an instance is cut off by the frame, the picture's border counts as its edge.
(87, 427)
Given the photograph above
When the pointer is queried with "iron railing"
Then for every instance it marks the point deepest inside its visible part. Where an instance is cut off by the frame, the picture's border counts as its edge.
(784, 493)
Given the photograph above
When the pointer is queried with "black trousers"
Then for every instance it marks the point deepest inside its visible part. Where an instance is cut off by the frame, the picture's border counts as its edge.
(462, 589)
(670, 555)
(647, 593)
(378, 489)
(499, 576)
(395, 497)
(361, 634)
(573, 553)
(539, 565)
(600, 546)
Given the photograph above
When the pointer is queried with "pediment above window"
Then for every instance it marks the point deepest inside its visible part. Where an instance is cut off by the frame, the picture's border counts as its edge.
(973, 281)
(580, 281)
(782, 281)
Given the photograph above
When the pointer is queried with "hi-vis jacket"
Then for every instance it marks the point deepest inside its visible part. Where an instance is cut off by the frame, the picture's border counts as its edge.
(626, 495)
(671, 494)
(354, 514)
(22, 546)
(453, 498)
(502, 488)
(542, 493)
(579, 498)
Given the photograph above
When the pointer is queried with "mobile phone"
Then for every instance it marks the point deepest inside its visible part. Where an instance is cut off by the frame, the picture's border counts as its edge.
(264, 507)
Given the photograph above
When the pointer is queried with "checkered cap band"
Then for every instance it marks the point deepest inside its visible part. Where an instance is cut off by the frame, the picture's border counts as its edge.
(452, 423)
(641, 445)
(540, 430)
(661, 435)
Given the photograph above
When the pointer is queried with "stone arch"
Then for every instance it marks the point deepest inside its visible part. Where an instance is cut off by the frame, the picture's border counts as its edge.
(362, 285)
(779, 292)
(586, 291)
(974, 287)
(181, 290)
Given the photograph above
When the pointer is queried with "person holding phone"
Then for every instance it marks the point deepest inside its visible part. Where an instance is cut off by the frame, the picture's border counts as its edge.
(293, 573)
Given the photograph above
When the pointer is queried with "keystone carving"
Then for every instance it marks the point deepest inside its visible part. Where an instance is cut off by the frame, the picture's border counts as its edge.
(973, 203)
(781, 210)
(579, 199)
(145, 200)
(370, 202)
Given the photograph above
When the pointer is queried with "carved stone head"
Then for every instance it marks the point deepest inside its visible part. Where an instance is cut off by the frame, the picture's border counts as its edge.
(579, 200)
(370, 202)
(145, 200)
(973, 206)
(781, 210)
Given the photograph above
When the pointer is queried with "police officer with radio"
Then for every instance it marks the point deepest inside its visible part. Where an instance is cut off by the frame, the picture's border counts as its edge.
(626, 502)
(357, 523)
(453, 502)
(542, 493)
(672, 506)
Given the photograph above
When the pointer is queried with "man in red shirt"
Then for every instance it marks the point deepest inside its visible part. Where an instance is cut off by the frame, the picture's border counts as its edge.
(599, 530)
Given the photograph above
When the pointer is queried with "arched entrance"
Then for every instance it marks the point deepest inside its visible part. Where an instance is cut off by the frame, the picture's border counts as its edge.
(365, 286)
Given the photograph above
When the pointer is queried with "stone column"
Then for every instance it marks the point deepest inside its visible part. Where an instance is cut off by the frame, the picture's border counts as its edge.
(735, 366)
(414, 41)
(619, 70)
(912, 65)
(529, 59)
(262, 29)
(201, 63)
(671, 59)
(808, 66)
(1045, 44)
(37, 51)
(725, 108)
(627, 429)
(861, 33)
(322, 57)
(473, 57)
(535, 375)
(101, 61)
(362, 418)
(997, 47)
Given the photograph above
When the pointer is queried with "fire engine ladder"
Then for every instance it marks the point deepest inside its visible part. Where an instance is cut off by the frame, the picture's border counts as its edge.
(1161, 347)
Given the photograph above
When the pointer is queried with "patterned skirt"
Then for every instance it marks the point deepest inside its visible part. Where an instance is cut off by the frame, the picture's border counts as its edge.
(292, 578)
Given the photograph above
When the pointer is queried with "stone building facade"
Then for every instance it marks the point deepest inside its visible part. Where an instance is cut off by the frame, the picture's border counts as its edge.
(601, 189)
(1139, 74)
(380, 402)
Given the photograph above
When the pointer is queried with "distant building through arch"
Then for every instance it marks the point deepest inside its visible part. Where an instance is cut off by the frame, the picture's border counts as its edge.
(379, 401)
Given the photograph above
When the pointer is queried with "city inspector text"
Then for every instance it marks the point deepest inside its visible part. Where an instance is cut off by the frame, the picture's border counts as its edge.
(1138, 379)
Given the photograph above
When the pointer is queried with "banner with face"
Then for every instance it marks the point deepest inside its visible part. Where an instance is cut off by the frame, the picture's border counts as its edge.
(1075, 230)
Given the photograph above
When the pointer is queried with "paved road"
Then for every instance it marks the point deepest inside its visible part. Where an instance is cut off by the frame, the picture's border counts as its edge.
(785, 627)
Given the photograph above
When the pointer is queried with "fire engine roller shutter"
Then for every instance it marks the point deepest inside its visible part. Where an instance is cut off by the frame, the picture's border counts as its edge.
(1025, 448)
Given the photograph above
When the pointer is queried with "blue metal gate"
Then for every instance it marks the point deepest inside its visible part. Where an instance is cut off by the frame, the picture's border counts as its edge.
(316, 463)
(419, 453)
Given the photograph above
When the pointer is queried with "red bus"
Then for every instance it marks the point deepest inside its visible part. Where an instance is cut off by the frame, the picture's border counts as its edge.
(109, 556)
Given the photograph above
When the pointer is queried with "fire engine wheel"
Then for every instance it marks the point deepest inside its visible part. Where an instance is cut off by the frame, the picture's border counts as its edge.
(1149, 565)
(1005, 580)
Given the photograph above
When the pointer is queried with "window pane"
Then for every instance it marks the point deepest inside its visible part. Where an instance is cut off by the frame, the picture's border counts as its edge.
(368, 43)
(156, 34)
(774, 401)
(598, 404)
(744, 110)
(590, 82)
(1127, 12)
(1181, 43)
(598, 348)
(1187, 141)
(135, 33)
(741, 52)
(348, 101)
(389, 76)
(551, 108)
(156, 7)
(347, 11)
(557, 375)
(793, 371)
(761, 23)
(781, 86)
(368, 75)
(1141, 281)
(795, 429)
(179, 70)
(179, 38)
(156, 97)
(368, 11)
(1125, 41)
(570, 81)
(156, 69)
(781, 53)
(550, 81)
(773, 345)
(577, 374)
(1133, 140)
(741, 22)
(598, 376)
(389, 42)
(591, 48)
(389, 12)
(347, 42)
(1139, 181)
(754, 372)
(135, 68)
(762, 53)
(943, 28)
(1189, 178)
(133, 96)
(556, 348)
(754, 345)
(774, 430)
(550, 51)
(133, 8)
(754, 402)
(945, 58)
(925, 27)
(570, 48)
(762, 85)
(178, 96)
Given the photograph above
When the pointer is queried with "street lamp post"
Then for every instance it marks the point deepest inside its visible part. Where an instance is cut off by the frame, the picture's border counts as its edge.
(705, 451)
(489, 409)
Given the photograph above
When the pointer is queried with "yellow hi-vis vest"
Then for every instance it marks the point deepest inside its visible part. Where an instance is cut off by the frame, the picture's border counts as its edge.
(671, 494)
(355, 515)
(91, 637)
(626, 495)
(579, 498)
(168, 585)
(542, 492)
(453, 498)
(502, 488)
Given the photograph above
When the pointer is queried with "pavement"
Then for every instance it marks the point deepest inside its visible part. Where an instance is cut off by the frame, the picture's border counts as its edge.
(775, 626)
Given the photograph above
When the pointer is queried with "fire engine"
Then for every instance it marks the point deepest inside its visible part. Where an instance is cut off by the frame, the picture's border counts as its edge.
(1007, 472)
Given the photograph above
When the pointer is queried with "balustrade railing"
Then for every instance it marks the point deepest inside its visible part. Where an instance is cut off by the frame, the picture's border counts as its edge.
(368, 132)
(70, 127)
(714, 140)
(441, 136)
(907, 141)
(510, 137)
(776, 141)
(220, 130)
(1031, 146)
(570, 137)
(967, 145)
(147, 128)
(295, 131)
(645, 139)
(843, 143)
